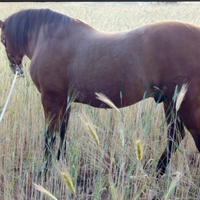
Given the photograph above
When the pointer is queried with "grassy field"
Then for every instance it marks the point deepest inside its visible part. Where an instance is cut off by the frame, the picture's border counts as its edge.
(111, 169)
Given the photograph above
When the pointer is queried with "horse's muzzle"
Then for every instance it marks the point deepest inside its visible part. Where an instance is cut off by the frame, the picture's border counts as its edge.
(17, 68)
(20, 70)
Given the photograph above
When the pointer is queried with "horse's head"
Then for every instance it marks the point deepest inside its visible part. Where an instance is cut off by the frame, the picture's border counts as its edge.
(15, 57)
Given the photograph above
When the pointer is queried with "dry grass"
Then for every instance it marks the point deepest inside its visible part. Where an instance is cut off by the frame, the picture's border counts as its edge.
(109, 170)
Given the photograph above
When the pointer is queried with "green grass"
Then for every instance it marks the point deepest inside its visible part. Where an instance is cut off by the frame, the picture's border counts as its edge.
(109, 170)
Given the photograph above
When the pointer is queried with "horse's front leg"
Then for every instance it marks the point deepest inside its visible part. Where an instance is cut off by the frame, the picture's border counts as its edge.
(63, 128)
(53, 110)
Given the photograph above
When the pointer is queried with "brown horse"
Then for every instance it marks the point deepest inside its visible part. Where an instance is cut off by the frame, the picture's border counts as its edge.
(69, 56)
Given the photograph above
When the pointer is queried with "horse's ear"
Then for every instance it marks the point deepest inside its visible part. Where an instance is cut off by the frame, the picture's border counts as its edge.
(1, 24)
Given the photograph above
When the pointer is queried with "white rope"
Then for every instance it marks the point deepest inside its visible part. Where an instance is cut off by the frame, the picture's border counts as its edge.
(4, 109)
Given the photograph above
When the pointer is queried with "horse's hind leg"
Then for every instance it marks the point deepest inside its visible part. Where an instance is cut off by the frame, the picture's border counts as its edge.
(175, 126)
(191, 118)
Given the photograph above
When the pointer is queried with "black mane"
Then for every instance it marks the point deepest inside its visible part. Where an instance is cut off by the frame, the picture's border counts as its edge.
(16, 26)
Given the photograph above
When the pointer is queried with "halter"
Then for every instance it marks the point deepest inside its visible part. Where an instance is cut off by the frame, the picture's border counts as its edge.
(15, 67)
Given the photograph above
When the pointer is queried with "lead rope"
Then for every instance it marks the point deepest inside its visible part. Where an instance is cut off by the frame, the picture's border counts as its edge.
(4, 109)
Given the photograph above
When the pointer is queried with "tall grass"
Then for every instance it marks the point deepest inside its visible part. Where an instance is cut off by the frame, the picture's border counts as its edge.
(108, 169)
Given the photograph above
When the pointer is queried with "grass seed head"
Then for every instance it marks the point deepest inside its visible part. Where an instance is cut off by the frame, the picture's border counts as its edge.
(181, 96)
(139, 150)
(66, 179)
(68, 182)
(90, 128)
(93, 133)
(107, 101)
(44, 191)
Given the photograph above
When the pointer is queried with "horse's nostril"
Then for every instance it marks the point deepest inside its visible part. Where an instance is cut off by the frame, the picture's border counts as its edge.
(20, 70)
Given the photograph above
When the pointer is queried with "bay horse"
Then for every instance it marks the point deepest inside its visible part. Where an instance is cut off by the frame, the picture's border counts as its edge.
(68, 56)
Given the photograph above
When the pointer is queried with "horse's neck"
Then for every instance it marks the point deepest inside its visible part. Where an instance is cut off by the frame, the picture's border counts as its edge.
(78, 26)
(29, 53)
(31, 45)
